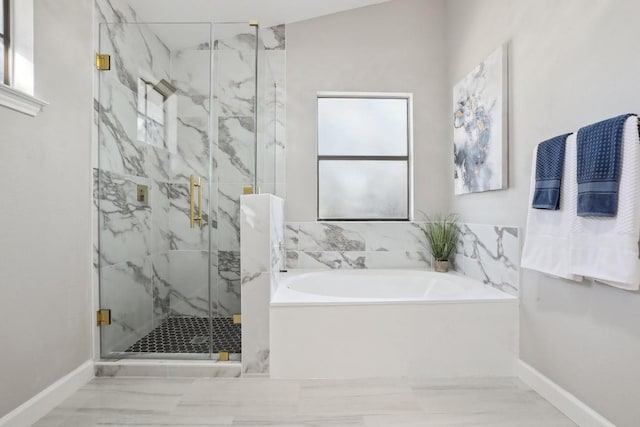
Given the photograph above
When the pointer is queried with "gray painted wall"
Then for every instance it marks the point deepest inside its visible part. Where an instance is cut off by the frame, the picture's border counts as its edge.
(572, 62)
(45, 182)
(392, 47)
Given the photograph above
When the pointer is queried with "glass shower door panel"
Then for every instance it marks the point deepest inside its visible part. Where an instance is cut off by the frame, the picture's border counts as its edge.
(234, 77)
(153, 120)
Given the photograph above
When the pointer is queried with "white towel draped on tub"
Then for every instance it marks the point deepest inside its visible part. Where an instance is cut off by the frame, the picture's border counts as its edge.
(547, 244)
(607, 248)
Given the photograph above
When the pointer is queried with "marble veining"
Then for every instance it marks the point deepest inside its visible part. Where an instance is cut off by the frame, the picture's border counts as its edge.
(490, 254)
(133, 149)
(124, 223)
(274, 38)
(356, 245)
(485, 252)
(130, 298)
(175, 371)
(323, 236)
(236, 148)
(262, 225)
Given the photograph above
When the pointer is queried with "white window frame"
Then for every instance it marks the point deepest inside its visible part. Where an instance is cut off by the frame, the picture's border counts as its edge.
(19, 94)
(376, 95)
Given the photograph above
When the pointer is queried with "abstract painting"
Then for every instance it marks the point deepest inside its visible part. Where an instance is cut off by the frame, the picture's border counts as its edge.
(480, 127)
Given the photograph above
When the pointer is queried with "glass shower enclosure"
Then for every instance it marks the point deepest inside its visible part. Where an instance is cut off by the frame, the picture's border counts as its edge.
(177, 119)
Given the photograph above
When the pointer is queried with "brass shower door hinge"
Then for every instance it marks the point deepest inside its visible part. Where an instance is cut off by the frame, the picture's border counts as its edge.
(103, 317)
(103, 61)
(237, 318)
(223, 356)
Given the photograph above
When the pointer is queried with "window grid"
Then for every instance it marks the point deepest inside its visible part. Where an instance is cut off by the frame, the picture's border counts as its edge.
(144, 114)
(5, 40)
(405, 158)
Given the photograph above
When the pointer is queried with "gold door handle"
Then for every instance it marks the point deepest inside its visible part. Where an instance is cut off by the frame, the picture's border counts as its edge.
(192, 202)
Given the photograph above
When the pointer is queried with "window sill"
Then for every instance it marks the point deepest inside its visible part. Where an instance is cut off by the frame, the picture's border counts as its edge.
(20, 101)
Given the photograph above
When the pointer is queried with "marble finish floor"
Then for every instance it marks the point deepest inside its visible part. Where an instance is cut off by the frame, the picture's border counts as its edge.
(264, 402)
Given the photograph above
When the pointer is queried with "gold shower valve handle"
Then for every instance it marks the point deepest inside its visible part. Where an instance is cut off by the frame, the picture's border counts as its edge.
(192, 203)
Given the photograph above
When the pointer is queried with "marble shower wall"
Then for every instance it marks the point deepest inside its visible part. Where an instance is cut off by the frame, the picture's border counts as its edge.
(150, 263)
(129, 151)
(188, 254)
(272, 114)
(262, 226)
(234, 81)
(485, 252)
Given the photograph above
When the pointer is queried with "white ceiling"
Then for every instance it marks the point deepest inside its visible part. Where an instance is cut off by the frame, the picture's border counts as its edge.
(268, 12)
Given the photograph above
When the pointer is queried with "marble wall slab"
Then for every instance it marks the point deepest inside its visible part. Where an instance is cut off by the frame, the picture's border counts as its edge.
(189, 283)
(262, 243)
(490, 254)
(485, 252)
(124, 224)
(273, 177)
(356, 245)
(161, 153)
(128, 290)
(131, 150)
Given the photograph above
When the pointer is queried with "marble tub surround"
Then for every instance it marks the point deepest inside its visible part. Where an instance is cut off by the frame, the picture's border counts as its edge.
(261, 259)
(490, 254)
(347, 244)
(485, 252)
(358, 312)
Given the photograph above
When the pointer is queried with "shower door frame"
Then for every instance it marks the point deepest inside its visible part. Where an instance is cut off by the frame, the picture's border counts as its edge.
(97, 296)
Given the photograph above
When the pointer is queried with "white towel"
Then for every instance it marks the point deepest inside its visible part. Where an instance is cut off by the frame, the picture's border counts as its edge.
(547, 244)
(606, 249)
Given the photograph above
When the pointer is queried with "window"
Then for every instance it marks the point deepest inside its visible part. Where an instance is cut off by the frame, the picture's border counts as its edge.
(151, 114)
(364, 144)
(5, 39)
(16, 57)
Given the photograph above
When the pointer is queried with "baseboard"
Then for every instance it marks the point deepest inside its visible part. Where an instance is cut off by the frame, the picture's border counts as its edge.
(40, 404)
(578, 411)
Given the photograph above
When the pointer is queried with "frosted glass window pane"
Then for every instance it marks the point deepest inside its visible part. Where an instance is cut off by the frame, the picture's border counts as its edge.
(362, 189)
(142, 97)
(362, 126)
(155, 106)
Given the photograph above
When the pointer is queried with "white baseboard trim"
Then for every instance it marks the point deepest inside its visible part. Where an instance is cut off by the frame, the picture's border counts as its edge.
(578, 411)
(40, 404)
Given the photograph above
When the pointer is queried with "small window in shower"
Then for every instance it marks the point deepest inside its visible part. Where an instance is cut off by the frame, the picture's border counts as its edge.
(364, 165)
(154, 107)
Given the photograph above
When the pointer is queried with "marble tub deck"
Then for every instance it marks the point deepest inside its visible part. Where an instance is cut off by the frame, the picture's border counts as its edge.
(265, 402)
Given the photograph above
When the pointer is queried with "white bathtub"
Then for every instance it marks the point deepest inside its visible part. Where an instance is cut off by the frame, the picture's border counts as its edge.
(390, 323)
(381, 287)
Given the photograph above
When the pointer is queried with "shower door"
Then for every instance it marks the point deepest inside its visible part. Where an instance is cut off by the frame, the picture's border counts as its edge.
(156, 258)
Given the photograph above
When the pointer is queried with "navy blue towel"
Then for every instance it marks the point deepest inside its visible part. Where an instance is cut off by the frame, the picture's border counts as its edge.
(549, 166)
(599, 150)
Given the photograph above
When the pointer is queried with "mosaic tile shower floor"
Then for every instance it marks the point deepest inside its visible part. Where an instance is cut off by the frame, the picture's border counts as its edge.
(191, 335)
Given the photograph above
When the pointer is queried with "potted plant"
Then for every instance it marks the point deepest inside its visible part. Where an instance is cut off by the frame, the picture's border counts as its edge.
(442, 235)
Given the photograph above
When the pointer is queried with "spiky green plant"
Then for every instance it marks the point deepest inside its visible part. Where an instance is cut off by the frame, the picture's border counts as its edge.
(442, 235)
